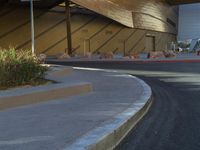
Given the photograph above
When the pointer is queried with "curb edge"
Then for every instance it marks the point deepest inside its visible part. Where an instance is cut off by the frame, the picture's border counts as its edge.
(111, 134)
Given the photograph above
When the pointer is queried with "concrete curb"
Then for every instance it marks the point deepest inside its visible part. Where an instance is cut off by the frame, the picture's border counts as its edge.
(113, 132)
(129, 61)
(43, 96)
(32, 95)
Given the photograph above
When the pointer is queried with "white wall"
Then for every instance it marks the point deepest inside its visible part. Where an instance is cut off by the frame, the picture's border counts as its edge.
(189, 21)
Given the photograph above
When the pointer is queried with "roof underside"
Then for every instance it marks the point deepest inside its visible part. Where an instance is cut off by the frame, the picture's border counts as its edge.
(37, 3)
(50, 3)
(178, 2)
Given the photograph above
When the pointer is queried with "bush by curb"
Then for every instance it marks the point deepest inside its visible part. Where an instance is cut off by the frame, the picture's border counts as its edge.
(19, 67)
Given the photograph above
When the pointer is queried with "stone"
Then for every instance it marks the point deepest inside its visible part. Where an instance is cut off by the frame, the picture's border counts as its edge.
(169, 54)
(133, 55)
(42, 58)
(155, 55)
(107, 55)
(63, 56)
(88, 55)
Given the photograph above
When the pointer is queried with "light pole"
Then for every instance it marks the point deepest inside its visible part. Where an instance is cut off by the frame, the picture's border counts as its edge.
(32, 25)
(32, 28)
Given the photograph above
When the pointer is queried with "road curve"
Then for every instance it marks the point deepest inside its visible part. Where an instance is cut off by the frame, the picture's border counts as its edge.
(171, 124)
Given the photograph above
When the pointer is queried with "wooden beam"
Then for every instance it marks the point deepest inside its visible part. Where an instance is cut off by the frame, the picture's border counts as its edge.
(68, 27)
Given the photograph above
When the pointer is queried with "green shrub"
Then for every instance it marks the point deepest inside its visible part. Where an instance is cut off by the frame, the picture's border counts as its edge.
(19, 67)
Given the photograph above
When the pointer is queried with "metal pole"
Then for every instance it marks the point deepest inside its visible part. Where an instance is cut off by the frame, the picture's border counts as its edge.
(32, 28)
(68, 27)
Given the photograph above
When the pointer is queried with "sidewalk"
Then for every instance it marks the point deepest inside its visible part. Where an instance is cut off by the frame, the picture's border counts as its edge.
(79, 122)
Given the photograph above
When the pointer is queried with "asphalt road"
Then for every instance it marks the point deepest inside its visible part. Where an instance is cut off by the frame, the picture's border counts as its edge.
(173, 122)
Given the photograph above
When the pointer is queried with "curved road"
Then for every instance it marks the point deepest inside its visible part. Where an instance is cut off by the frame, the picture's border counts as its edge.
(173, 122)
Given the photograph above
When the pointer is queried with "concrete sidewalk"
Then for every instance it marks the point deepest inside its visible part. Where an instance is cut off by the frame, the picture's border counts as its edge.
(78, 122)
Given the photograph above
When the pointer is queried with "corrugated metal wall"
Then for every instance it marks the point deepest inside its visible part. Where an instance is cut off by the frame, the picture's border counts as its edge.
(189, 21)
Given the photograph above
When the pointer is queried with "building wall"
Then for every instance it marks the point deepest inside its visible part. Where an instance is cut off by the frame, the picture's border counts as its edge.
(189, 22)
(90, 33)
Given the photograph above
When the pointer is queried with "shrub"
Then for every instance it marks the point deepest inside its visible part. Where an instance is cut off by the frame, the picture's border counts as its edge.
(19, 67)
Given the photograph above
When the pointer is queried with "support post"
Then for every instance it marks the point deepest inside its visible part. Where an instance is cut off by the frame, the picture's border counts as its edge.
(68, 27)
(89, 45)
(124, 43)
(84, 46)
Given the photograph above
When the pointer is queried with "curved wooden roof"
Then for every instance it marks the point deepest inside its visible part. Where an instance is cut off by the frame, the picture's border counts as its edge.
(157, 15)
(144, 14)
